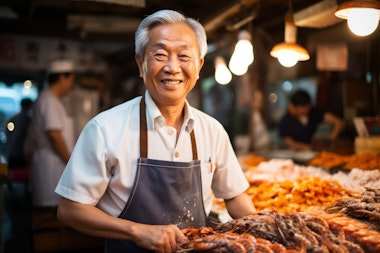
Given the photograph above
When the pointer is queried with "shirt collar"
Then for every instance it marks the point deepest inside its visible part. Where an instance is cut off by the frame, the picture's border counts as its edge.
(155, 120)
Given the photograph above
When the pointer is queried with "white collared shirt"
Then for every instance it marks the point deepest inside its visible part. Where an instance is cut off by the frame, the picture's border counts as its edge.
(102, 167)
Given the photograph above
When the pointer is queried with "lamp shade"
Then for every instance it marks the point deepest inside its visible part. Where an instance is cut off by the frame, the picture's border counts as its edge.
(288, 53)
(302, 53)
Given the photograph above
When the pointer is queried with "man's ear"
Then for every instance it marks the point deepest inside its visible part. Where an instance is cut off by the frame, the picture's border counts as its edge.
(139, 62)
(292, 109)
(201, 62)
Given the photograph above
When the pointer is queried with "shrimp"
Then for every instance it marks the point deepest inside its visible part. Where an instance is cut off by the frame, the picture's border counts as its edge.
(241, 224)
(309, 237)
(352, 247)
(262, 248)
(235, 247)
(197, 232)
(249, 242)
(277, 248)
(228, 242)
(289, 233)
(198, 245)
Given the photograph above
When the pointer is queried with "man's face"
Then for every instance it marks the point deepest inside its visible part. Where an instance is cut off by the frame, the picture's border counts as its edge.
(171, 64)
(67, 82)
(302, 110)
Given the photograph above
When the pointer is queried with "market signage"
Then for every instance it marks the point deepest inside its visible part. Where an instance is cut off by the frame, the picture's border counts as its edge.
(29, 53)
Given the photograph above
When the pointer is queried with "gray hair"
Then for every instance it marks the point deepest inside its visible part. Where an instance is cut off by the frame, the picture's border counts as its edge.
(168, 17)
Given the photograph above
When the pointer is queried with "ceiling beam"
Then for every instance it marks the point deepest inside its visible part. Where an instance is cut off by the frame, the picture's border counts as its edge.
(232, 9)
(135, 3)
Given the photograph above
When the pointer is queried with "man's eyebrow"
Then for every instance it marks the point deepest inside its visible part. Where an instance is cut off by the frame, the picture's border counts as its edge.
(160, 44)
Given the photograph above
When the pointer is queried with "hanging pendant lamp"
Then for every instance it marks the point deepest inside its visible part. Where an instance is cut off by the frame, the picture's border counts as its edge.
(289, 52)
(362, 15)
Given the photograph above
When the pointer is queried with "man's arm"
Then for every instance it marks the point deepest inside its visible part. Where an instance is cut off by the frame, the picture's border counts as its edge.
(336, 122)
(92, 221)
(291, 143)
(58, 144)
(240, 206)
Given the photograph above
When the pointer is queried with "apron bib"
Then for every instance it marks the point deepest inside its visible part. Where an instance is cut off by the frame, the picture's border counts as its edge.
(163, 193)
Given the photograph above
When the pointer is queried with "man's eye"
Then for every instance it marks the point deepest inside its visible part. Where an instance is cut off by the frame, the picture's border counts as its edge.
(184, 57)
(160, 56)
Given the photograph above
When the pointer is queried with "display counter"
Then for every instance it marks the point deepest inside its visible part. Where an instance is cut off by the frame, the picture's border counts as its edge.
(294, 199)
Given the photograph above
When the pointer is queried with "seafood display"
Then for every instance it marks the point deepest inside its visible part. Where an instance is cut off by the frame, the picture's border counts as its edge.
(298, 195)
(357, 178)
(326, 160)
(207, 240)
(364, 206)
(252, 160)
(354, 230)
(329, 160)
(364, 161)
(300, 208)
(271, 231)
(278, 170)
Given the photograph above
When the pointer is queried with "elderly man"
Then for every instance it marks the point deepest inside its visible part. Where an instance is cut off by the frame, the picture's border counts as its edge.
(143, 170)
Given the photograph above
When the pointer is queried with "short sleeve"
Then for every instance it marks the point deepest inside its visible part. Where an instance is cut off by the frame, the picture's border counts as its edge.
(86, 176)
(53, 112)
(229, 179)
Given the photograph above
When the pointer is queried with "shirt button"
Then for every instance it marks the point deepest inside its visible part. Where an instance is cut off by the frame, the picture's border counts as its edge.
(176, 154)
(170, 131)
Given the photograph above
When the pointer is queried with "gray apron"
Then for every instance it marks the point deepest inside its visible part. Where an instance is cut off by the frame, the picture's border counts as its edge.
(164, 192)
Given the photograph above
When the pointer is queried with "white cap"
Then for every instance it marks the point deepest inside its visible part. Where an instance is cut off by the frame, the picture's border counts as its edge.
(61, 66)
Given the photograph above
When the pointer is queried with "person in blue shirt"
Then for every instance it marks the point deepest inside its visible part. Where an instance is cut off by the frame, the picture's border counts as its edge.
(16, 135)
(300, 122)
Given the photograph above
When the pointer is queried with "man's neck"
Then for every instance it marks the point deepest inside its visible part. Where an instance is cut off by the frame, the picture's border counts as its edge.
(174, 116)
(55, 90)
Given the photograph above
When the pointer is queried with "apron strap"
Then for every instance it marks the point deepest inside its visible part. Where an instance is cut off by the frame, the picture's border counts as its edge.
(194, 145)
(143, 130)
(144, 134)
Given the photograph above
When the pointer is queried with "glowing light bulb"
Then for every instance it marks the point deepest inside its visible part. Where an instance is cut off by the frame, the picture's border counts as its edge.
(288, 58)
(222, 73)
(243, 55)
(362, 15)
(288, 54)
(27, 84)
(237, 66)
(10, 126)
(244, 51)
(363, 21)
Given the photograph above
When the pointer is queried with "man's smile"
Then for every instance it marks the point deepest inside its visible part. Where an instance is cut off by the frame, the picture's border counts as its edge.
(171, 83)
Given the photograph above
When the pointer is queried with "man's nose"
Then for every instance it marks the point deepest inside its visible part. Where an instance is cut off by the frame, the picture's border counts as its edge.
(173, 65)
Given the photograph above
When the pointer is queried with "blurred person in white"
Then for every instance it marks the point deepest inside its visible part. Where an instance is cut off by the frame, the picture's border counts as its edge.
(145, 169)
(51, 135)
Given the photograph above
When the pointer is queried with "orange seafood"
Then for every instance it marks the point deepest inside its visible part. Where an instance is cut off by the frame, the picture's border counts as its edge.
(328, 160)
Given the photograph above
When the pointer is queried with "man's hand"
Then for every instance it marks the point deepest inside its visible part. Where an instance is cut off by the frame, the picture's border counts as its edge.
(159, 238)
